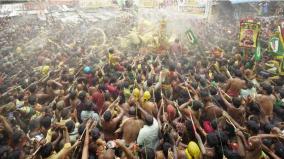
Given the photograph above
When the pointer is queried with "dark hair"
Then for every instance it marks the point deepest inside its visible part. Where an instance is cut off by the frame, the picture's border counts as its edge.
(111, 50)
(213, 91)
(231, 154)
(203, 82)
(95, 133)
(70, 126)
(268, 88)
(45, 122)
(112, 80)
(253, 126)
(183, 93)
(4, 137)
(249, 84)
(166, 147)
(95, 81)
(194, 85)
(72, 95)
(189, 126)
(20, 96)
(65, 113)
(281, 92)
(223, 137)
(197, 77)
(221, 78)
(46, 150)
(81, 129)
(33, 124)
(107, 115)
(196, 105)
(230, 130)
(238, 73)
(254, 108)
(204, 93)
(32, 100)
(89, 105)
(237, 101)
(32, 88)
(212, 139)
(16, 137)
(82, 95)
(268, 142)
(267, 127)
(279, 149)
(149, 120)
(172, 67)
(15, 154)
(182, 100)
(150, 82)
(214, 124)
(139, 79)
(101, 87)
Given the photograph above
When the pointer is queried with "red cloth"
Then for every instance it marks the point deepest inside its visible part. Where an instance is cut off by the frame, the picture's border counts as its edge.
(207, 127)
(119, 68)
(171, 112)
(112, 89)
(90, 79)
(232, 93)
(98, 98)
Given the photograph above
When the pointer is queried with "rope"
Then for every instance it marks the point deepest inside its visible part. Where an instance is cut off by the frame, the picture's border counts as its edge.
(222, 148)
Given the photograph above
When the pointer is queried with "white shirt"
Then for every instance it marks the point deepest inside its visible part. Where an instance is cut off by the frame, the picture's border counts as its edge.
(148, 135)
(85, 115)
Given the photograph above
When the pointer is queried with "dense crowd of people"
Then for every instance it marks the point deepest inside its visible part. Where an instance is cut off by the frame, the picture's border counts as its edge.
(59, 103)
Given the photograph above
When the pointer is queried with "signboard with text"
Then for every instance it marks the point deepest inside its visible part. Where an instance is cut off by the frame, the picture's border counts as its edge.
(249, 31)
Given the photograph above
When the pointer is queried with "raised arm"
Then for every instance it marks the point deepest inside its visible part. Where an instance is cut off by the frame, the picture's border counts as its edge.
(127, 152)
(268, 151)
(85, 152)
(144, 112)
(227, 104)
(120, 115)
(185, 104)
(241, 148)
(6, 125)
(200, 143)
(160, 112)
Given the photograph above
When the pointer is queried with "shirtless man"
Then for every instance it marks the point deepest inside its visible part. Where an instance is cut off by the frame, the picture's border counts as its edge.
(166, 79)
(110, 124)
(131, 126)
(234, 85)
(266, 101)
(71, 100)
(211, 110)
(253, 148)
(150, 107)
(235, 110)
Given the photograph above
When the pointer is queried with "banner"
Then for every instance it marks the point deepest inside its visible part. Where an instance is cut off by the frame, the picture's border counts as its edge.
(276, 45)
(190, 36)
(249, 31)
(257, 54)
(282, 29)
(147, 3)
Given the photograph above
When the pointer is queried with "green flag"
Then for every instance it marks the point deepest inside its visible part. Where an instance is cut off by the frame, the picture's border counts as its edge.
(274, 44)
(190, 36)
(276, 47)
(257, 54)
